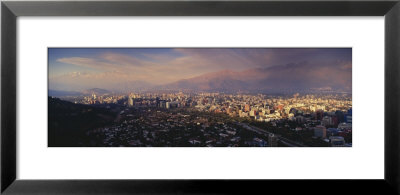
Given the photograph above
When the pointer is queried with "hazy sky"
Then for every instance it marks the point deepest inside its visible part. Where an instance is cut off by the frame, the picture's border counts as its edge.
(82, 68)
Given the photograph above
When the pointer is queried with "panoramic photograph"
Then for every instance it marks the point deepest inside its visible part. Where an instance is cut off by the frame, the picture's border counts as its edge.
(199, 97)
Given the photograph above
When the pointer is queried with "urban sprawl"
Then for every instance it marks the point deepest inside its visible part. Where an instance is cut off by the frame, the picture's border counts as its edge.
(217, 119)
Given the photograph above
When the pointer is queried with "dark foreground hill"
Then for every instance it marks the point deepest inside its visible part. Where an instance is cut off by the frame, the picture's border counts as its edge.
(69, 122)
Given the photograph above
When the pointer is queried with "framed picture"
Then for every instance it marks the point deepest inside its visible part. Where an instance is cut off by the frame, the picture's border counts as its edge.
(171, 94)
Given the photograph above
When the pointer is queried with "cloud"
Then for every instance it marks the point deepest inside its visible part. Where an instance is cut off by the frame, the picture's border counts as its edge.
(108, 68)
(85, 62)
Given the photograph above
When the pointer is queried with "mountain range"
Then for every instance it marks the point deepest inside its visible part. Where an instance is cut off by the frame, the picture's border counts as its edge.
(300, 77)
(273, 79)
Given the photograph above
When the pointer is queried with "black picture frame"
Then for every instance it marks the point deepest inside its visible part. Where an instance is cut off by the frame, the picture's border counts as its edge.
(10, 10)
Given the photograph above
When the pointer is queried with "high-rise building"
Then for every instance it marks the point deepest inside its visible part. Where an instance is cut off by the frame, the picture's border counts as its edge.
(130, 102)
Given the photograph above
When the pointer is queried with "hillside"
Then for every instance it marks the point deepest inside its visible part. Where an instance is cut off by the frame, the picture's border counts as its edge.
(69, 122)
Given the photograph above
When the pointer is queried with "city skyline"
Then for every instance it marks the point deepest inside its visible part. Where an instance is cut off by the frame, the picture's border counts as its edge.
(200, 97)
(130, 69)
